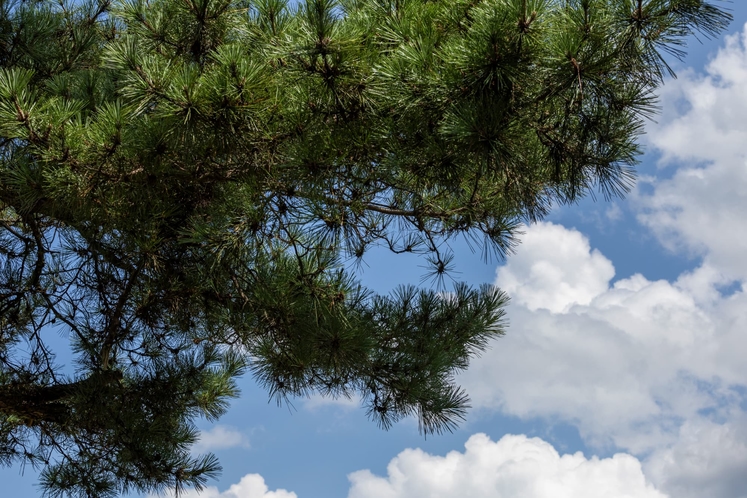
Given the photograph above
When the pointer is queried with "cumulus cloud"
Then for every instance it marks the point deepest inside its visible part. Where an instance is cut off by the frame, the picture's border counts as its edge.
(703, 129)
(513, 466)
(703, 114)
(708, 460)
(220, 437)
(250, 486)
(627, 362)
(571, 274)
(700, 209)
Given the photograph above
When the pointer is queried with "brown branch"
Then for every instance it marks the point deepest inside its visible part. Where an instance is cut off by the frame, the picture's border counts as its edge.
(577, 67)
(113, 328)
(40, 253)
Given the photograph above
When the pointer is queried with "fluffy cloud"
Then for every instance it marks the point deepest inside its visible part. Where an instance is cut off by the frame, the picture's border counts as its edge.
(703, 114)
(513, 466)
(700, 208)
(250, 486)
(626, 362)
(572, 274)
(220, 437)
(708, 460)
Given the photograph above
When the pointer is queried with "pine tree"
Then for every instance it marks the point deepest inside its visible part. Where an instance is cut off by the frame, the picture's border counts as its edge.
(184, 184)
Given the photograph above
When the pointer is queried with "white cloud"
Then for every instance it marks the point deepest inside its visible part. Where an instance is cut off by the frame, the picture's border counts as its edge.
(220, 437)
(511, 467)
(570, 275)
(703, 115)
(626, 362)
(701, 207)
(708, 460)
(250, 486)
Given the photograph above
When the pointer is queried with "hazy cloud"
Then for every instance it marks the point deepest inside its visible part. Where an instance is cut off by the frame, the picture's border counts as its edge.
(220, 437)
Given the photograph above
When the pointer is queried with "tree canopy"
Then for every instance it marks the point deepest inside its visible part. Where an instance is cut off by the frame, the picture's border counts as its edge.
(186, 185)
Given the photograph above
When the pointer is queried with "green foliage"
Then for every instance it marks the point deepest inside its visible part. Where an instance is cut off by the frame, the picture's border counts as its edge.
(184, 184)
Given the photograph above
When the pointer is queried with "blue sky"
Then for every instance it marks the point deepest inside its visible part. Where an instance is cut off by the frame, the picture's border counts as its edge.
(623, 373)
